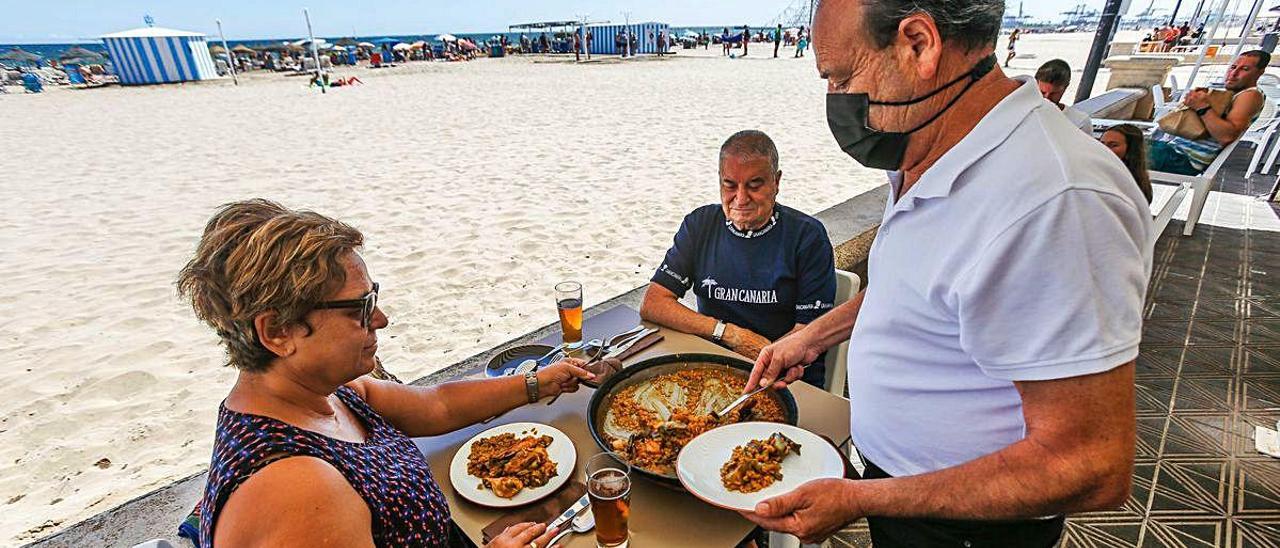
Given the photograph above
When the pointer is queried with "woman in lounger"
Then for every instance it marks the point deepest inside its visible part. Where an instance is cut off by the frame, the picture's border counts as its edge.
(310, 451)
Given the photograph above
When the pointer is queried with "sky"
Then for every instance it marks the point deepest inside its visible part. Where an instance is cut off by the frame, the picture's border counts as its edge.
(54, 21)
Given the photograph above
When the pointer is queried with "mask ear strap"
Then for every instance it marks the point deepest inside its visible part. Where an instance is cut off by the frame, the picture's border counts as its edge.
(979, 71)
(976, 73)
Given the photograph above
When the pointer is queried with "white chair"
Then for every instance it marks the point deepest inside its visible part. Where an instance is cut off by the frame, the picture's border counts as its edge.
(847, 285)
(1163, 209)
(1260, 135)
(1200, 185)
(1157, 95)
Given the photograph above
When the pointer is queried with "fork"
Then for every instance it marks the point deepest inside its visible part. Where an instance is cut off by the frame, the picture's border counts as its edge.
(604, 349)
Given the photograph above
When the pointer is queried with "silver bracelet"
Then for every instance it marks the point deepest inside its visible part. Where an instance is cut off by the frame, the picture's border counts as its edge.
(531, 386)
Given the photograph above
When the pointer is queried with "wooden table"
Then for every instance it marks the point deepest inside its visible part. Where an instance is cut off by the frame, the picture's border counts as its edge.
(660, 516)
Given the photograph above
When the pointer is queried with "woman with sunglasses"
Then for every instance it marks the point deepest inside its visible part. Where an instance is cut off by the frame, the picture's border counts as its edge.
(310, 451)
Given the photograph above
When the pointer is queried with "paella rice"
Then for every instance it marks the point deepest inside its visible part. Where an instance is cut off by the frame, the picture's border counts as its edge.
(757, 464)
(507, 464)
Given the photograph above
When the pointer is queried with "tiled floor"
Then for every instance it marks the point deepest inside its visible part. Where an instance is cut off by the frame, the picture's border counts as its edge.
(1207, 373)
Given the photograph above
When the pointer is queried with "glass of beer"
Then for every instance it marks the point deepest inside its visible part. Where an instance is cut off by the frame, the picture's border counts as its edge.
(609, 488)
(569, 303)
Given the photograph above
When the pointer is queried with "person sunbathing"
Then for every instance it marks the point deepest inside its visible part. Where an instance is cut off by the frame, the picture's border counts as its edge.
(309, 450)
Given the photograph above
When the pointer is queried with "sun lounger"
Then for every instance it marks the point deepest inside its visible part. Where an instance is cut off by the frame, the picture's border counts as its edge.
(1199, 184)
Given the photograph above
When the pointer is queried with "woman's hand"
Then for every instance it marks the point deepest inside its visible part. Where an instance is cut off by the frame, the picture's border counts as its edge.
(522, 535)
(562, 376)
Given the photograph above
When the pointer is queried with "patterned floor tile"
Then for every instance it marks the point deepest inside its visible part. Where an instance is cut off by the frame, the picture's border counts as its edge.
(1171, 310)
(1214, 332)
(1258, 484)
(1164, 333)
(1199, 436)
(1254, 533)
(1259, 362)
(1089, 534)
(1201, 361)
(1261, 332)
(1161, 533)
(1244, 428)
(1153, 396)
(1193, 489)
(1158, 362)
(1220, 310)
(1263, 308)
(1259, 393)
(1205, 395)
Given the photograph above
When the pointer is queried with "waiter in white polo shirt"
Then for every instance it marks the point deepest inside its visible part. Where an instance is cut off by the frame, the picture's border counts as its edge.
(991, 354)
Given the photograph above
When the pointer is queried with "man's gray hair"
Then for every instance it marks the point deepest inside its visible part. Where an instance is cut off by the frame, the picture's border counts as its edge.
(750, 143)
(971, 24)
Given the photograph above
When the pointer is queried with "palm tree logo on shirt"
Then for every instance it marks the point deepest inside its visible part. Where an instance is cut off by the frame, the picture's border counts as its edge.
(709, 283)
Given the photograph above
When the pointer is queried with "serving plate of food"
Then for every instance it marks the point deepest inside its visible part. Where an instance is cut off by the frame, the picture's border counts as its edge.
(738, 465)
(649, 411)
(513, 464)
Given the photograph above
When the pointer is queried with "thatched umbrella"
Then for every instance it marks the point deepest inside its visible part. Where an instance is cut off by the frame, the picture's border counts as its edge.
(77, 53)
(217, 50)
(21, 56)
(347, 42)
(244, 49)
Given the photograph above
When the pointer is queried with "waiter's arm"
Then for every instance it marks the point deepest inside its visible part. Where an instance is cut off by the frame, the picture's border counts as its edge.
(780, 361)
(1077, 456)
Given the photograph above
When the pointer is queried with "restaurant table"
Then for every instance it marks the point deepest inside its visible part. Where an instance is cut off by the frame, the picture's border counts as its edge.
(660, 516)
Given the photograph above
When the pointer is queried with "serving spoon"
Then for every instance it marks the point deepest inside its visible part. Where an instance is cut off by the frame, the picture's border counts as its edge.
(734, 405)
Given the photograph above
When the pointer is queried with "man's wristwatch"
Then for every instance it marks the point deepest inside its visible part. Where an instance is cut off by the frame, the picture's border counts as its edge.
(531, 386)
(718, 334)
(1202, 111)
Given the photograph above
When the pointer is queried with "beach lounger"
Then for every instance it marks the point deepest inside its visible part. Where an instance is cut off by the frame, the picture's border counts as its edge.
(1199, 184)
(1163, 206)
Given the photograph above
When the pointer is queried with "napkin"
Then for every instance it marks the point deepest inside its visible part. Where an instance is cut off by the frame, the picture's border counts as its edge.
(542, 511)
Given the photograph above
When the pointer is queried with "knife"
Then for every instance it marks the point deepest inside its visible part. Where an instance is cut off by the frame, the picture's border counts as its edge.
(570, 513)
(618, 350)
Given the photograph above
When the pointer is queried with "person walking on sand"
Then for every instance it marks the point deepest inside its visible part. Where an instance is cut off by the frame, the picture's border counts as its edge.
(1013, 46)
(777, 40)
(802, 42)
(746, 39)
(724, 40)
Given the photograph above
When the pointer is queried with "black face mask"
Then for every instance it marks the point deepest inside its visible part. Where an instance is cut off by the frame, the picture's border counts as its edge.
(848, 114)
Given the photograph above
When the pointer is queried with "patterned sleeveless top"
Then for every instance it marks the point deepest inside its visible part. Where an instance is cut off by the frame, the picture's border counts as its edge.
(387, 471)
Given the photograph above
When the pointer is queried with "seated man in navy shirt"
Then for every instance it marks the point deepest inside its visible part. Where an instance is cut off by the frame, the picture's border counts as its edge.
(760, 270)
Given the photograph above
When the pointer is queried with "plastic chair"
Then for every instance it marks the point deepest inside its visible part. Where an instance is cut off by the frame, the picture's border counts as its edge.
(1200, 185)
(847, 285)
(1162, 211)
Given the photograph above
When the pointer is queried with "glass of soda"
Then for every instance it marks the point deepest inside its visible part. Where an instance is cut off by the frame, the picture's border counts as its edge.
(609, 488)
(569, 304)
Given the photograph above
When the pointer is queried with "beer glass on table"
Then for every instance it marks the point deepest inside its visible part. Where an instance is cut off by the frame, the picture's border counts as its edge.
(609, 488)
(569, 304)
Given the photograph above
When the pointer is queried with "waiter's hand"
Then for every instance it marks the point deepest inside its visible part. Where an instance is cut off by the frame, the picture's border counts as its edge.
(744, 341)
(813, 512)
(780, 363)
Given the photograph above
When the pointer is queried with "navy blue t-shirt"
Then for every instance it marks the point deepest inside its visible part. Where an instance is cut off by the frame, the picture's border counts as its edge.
(765, 280)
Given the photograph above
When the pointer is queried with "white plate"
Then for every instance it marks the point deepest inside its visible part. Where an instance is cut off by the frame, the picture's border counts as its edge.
(561, 452)
(698, 465)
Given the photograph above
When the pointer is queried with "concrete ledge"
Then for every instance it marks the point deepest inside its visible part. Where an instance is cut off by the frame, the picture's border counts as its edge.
(851, 225)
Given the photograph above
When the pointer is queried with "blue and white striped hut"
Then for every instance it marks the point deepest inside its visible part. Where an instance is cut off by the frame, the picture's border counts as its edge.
(603, 37)
(154, 55)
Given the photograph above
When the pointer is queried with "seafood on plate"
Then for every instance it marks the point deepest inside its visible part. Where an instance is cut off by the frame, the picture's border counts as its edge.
(648, 423)
(758, 464)
(507, 464)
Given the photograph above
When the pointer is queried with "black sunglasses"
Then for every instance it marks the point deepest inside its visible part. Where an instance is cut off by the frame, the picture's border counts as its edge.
(366, 304)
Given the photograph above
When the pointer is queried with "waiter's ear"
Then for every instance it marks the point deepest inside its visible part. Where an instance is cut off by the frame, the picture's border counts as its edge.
(919, 45)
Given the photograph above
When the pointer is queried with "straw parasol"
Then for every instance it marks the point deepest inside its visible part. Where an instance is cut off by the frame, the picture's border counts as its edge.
(346, 42)
(20, 55)
(217, 50)
(78, 53)
(244, 49)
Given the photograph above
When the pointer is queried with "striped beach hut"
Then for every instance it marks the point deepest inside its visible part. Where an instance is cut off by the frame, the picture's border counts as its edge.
(603, 37)
(155, 55)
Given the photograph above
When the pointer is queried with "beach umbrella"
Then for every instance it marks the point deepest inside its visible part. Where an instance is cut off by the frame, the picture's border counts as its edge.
(446, 38)
(244, 49)
(366, 45)
(217, 50)
(347, 42)
(79, 53)
(339, 48)
(401, 47)
(82, 61)
(20, 55)
(419, 44)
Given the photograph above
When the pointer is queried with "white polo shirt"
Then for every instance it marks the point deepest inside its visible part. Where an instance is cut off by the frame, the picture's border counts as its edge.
(1021, 255)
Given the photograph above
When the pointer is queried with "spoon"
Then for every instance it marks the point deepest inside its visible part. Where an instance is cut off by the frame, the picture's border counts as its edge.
(721, 413)
(585, 521)
(531, 364)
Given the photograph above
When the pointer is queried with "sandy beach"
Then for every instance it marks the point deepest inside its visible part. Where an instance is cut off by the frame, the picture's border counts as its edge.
(477, 185)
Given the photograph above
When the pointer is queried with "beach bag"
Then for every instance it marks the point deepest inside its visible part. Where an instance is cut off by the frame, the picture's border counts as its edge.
(1185, 123)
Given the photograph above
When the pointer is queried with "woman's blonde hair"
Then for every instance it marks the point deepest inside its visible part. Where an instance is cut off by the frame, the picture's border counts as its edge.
(257, 256)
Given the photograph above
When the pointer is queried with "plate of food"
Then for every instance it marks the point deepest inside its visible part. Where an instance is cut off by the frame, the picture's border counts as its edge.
(739, 465)
(513, 464)
(648, 412)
